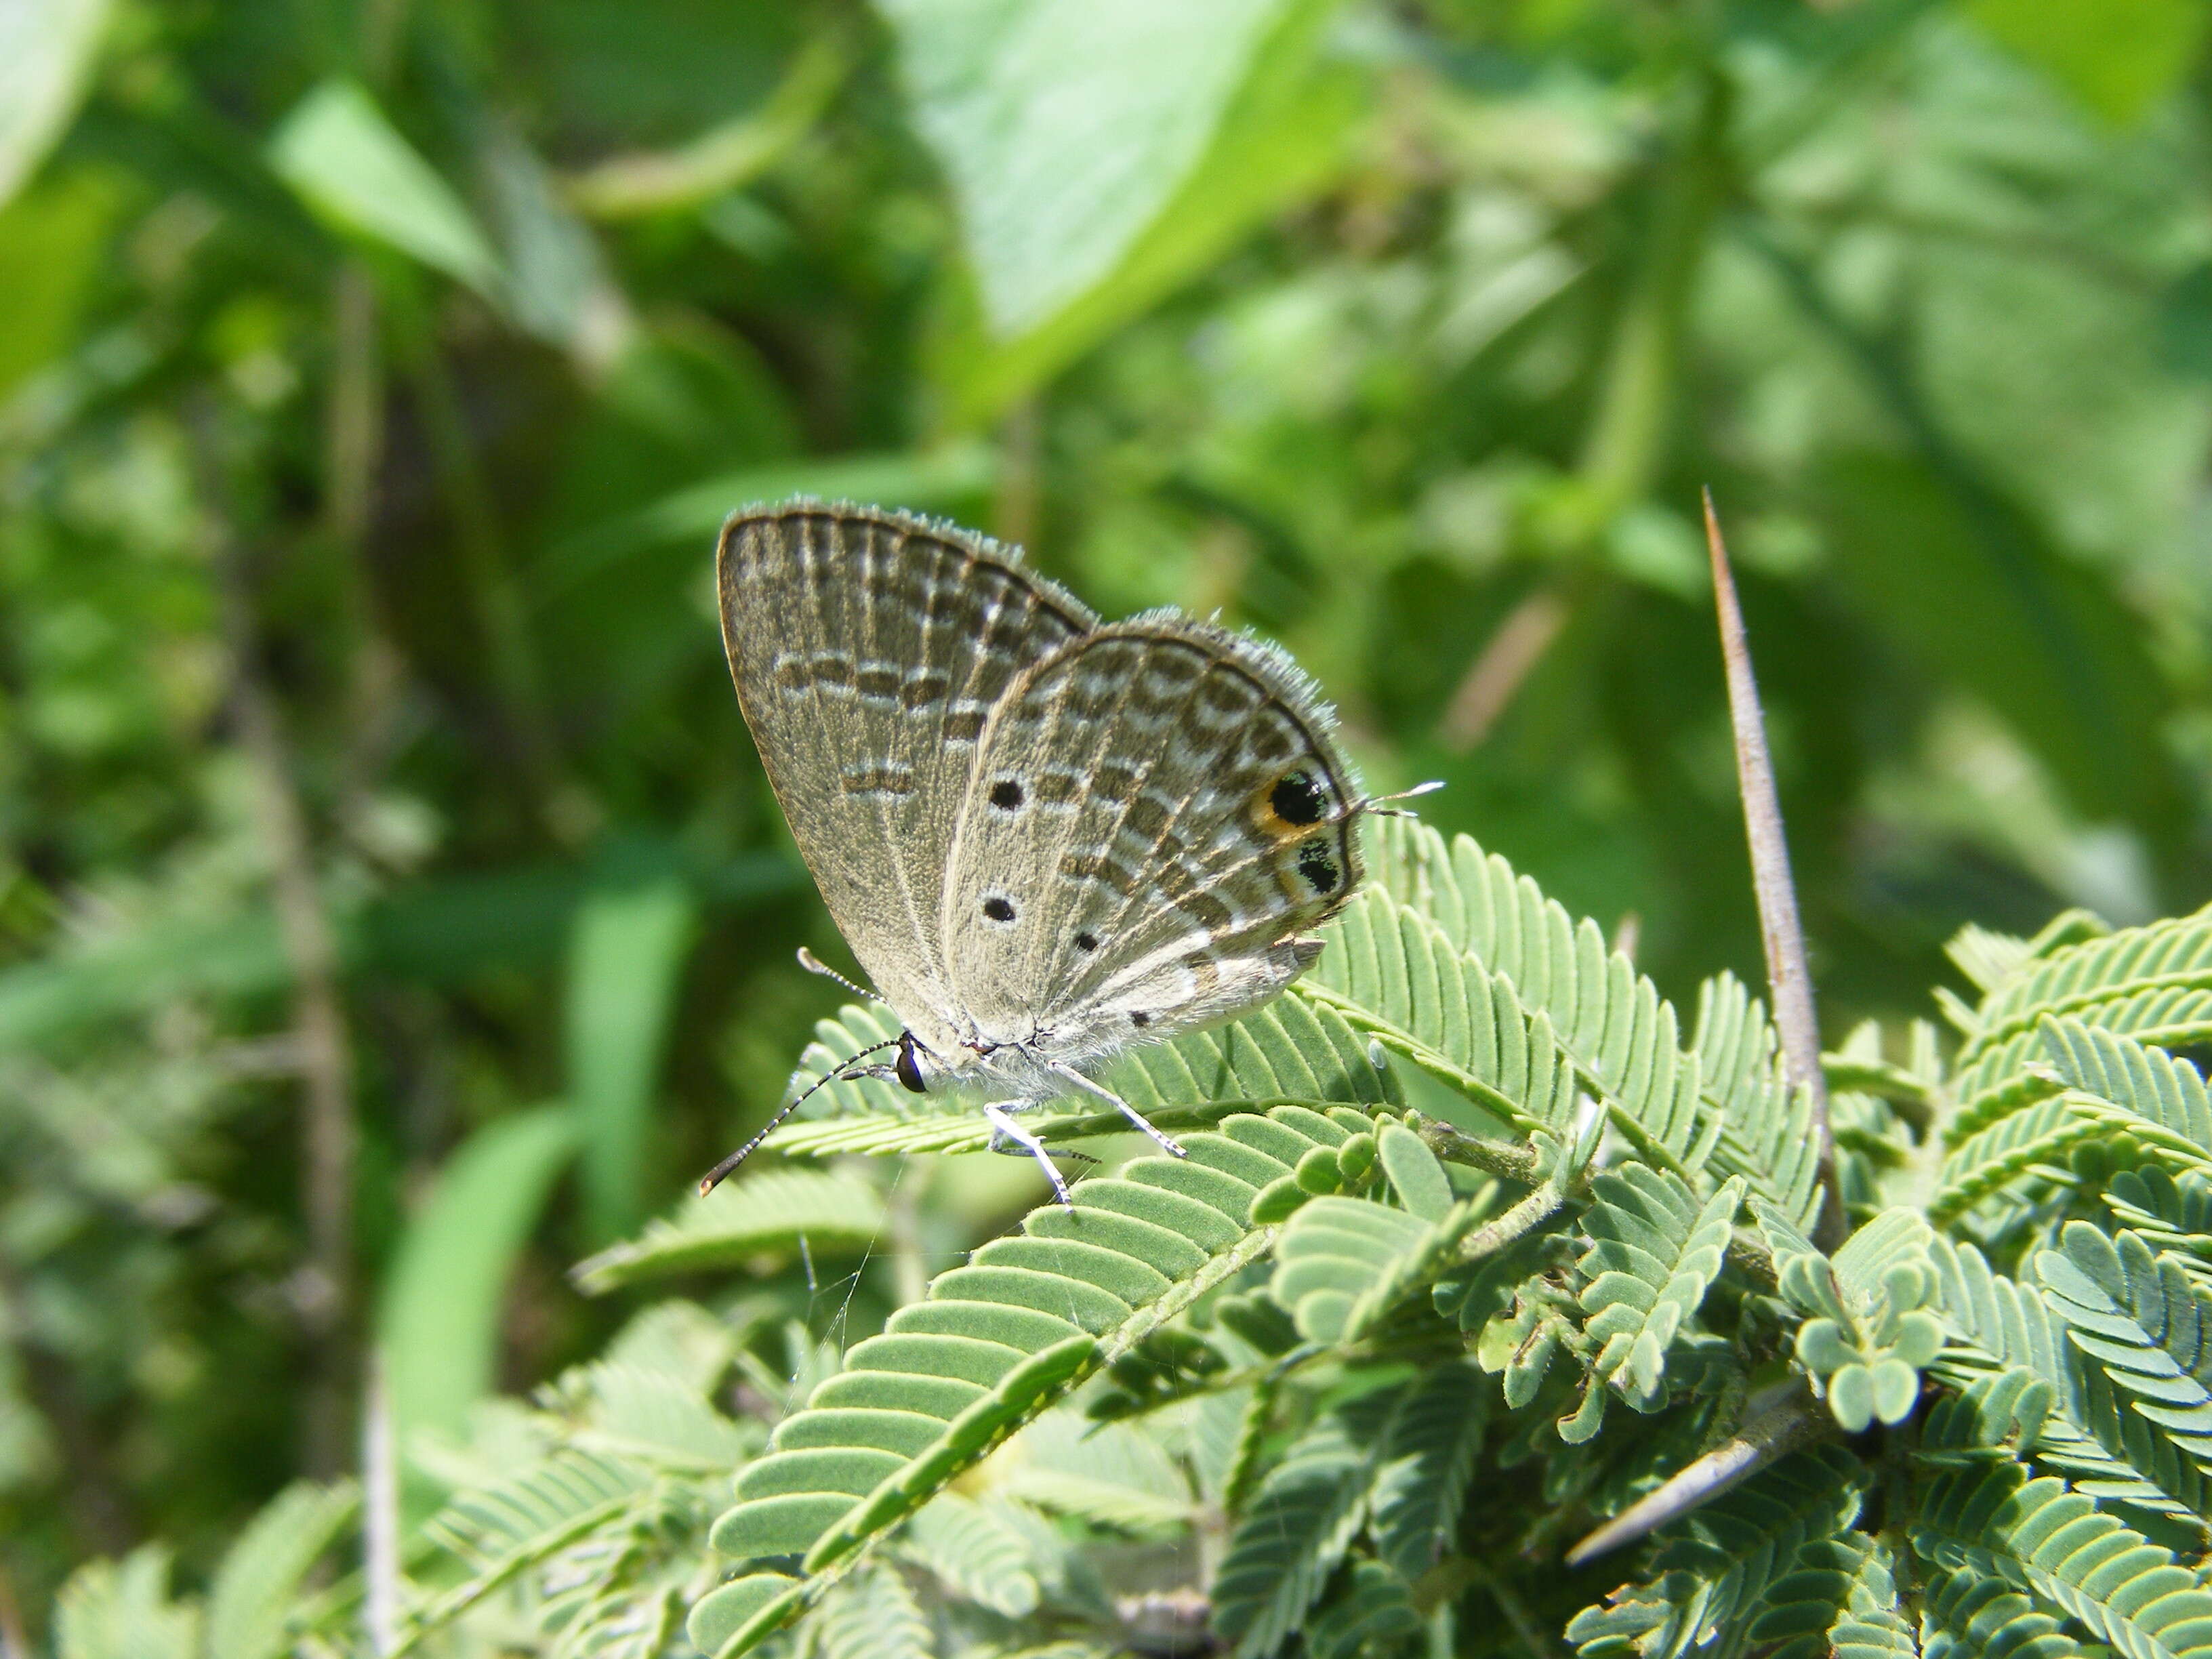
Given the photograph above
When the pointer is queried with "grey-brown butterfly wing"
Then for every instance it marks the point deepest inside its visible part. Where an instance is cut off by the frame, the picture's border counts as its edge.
(1156, 815)
(869, 649)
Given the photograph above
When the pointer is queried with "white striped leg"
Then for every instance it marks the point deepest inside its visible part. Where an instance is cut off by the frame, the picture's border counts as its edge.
(1008, 1136)
(1165, 1142)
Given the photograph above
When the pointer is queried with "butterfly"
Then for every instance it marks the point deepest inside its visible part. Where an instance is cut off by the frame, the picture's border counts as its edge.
(1046, 838)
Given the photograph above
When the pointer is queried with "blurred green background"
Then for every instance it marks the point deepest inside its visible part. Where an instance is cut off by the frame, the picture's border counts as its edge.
(391, 908)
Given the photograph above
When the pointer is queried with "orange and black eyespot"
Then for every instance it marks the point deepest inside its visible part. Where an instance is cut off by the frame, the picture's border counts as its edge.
(1295, 801)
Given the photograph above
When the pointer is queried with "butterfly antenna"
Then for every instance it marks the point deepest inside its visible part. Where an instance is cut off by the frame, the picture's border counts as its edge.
(721, 1172)
(1374, 803)
(814, 964)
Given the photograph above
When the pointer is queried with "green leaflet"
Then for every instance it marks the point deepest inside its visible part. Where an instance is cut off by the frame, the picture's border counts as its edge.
(1968, 1614)
(1994, 1324)
(2153, 984)
(1996, 1520)
(505, 1528)
(2145, 1331)
(1428, 1459)
(250, 1599)
(1653, 1250)
(1838, 1601)
(1372, 1615)
(1723, 1559)
(992, 1344)
(1867, 1335)
(1290, 1538)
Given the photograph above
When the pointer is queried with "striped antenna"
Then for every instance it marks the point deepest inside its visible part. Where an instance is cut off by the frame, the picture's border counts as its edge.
(721, 1172)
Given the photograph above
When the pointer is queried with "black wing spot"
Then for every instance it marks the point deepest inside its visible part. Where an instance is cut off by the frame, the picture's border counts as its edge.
(998, 909)
(1140, 1017)
(1317, 864)
(1296, 798)
(1086, 942)
(1006, 795)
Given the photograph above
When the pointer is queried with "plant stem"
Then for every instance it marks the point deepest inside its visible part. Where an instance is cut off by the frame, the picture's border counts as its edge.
(326, 1048)
(380, 1525)
(1787, 974)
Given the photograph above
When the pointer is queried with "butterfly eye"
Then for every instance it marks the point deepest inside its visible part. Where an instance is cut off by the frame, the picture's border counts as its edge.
(907, 1066)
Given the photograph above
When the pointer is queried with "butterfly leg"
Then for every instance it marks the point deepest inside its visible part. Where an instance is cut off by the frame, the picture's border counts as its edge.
(1164, 1142)
(1007, 1135)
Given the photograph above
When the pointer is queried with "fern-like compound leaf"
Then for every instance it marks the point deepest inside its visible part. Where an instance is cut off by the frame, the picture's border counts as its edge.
(2145, 1331)
(1765, 1125)
(2173, 1213)
(996, 1341)
(1371, 1617)
(873, 1615)
(1722, 1560)
(504, 1529)
(1968, 1614)
(1621, 1038)
(973, 1551)
(1653, 1251)
(122, 1610)
(1394, 972)
(1343, 1264)
(2171, 954)
(2153, 984)
(1995, 1324)
(1998, 1520)
(1839, 1600)
(255, 1586)
(1428, 1460)
(1301, 1521)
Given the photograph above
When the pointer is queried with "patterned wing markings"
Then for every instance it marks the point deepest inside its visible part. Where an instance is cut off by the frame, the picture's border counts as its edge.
(1157, 813)
(868, 648)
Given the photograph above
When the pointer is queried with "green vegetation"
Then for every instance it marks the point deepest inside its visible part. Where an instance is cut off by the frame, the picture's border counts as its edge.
(394, 920)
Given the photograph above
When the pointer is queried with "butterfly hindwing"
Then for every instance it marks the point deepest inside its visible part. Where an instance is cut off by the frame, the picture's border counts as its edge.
(869, 649)
(1156, 813)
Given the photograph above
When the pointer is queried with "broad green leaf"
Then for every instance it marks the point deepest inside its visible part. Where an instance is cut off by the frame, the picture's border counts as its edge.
(1065, 127)
(52, 238)
(347, 161)
(2119, 57)
(922, 479)
(1219, 116)
(439, 1322)
(47, 49)
(625, 957)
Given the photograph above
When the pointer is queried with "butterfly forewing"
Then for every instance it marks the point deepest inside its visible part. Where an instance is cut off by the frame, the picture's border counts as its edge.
(1156, 813)
(869, 649)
